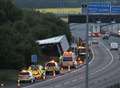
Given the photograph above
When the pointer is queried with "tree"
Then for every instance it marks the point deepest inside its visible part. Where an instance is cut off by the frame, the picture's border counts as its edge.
(19, 29)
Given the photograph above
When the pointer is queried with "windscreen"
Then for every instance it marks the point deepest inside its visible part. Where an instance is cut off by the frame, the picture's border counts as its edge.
(82, 50)
(50, 64)
(67, 59)
(24, 73)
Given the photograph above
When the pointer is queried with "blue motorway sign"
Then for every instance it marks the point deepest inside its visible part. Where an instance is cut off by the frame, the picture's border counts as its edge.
(96, 7)
(34, 58)
(115, 9)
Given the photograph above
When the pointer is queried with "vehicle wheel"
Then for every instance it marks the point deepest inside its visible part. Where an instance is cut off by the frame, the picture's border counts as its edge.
(47, 72)
(57, 72)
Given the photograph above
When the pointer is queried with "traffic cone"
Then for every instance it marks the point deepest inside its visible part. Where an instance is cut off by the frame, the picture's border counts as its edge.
(44, 77)
(62, 70)
(18, 84)
(54, 74)
(69, 68)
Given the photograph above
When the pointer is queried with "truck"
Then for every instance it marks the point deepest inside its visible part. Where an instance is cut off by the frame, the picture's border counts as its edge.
(54, 46)
(69, 59)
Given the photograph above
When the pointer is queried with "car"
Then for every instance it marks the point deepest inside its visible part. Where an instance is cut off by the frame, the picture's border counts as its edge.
(114, 46)
(52, 66)
(95, 41)
(80, 59)
(106, 36)
(26, 76)
(38, 71)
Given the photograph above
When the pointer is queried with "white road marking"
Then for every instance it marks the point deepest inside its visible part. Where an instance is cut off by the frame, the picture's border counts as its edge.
(89, 62)
(67, 82)
(93, 56)
(62, 75)
(80, 69)
(107, 64)
(58, 86)
(74, 80)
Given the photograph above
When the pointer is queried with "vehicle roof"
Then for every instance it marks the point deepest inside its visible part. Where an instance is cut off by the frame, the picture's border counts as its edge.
(51, 62)
(52, 40)
(114, 43)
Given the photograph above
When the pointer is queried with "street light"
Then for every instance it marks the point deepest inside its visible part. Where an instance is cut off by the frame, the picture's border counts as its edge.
(87, 39)
(113, 22)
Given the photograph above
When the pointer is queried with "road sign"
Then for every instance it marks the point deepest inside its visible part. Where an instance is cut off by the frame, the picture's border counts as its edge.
(34, 58)
(115, 9)
(96, 7)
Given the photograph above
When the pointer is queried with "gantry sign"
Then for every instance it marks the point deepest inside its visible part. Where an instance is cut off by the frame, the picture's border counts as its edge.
(104, 12)
(93, 18)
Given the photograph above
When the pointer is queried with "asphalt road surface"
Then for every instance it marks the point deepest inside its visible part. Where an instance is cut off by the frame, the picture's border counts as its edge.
(103, 70)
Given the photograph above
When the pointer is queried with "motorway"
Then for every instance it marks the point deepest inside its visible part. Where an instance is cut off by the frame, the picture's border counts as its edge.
(103, 70)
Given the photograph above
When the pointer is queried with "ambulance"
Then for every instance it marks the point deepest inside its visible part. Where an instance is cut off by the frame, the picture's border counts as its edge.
(69, 59)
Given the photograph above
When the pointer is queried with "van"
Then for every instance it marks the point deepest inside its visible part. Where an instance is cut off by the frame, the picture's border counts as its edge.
(69, 59)
(114, 46)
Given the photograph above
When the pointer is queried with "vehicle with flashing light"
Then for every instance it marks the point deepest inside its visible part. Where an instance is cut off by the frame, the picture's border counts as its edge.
(52, 66)
(81, 49)
(69, 59)
(26, 76)
(37, 71)
(80, 59)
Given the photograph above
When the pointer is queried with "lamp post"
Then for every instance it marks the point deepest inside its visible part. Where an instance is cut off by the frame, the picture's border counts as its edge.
(113, 22)
(87, 39)
(85, 8)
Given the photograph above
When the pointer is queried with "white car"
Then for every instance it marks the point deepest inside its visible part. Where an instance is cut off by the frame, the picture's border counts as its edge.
(26, 76)
(114, 46)
(52, 66)
(95, 41)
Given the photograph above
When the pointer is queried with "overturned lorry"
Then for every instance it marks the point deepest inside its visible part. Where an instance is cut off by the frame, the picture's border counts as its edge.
(54, 46)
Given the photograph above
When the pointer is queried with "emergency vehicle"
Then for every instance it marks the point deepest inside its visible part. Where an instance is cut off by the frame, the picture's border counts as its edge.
(69, 59)
(52, 66)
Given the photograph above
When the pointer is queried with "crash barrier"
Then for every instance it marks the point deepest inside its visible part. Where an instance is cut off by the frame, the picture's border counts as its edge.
(117, 85)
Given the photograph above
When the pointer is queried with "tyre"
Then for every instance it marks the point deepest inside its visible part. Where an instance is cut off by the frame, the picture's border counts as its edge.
(57, 72)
